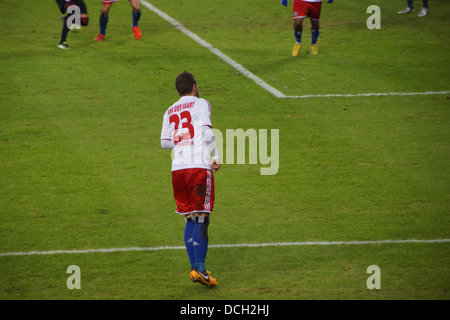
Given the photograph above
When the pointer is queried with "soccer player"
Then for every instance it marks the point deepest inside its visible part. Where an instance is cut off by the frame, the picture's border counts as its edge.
(300, 10)
(410, 8)
(187, 131)
(63, 6)
(136, 14)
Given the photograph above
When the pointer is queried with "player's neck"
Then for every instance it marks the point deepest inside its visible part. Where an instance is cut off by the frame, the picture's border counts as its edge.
(190, 95)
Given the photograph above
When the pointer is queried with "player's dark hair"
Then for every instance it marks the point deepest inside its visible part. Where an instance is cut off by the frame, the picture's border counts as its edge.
(184, 83)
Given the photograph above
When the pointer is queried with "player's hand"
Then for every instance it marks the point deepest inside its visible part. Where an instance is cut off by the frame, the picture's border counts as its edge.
(215, 165)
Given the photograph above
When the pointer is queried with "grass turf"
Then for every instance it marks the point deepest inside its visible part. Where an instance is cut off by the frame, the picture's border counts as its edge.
(82, 166)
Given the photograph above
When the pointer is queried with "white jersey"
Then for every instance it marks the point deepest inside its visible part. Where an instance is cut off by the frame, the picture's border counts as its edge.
(182, 124)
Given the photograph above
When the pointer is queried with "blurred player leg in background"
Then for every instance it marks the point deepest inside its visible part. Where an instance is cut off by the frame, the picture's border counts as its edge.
(410, 8)
(103, 21)
(136, 14)
(298, 29)
(300, 10)
(315, 32)
(67, 18)
(424, 11)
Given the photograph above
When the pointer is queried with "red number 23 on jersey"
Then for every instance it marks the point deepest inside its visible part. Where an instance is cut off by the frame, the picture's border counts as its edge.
(185, 119)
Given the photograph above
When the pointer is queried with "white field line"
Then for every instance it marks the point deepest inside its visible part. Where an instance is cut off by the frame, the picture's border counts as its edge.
(236, 245)
(369, 94)
(257, 79)
(214, 50)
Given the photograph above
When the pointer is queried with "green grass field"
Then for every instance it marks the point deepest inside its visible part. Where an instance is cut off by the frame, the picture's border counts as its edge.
(82, 166)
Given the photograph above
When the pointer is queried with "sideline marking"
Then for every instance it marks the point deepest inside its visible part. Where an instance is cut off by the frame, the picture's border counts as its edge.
(236, 245)
(260, 82)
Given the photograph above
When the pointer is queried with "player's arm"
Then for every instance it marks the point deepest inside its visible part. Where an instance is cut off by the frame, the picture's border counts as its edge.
(210, 141)
(166, 134)
(207, 133)
(167, 144)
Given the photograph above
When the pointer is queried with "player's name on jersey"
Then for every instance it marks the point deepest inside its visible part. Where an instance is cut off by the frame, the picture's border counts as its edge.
(180, 107)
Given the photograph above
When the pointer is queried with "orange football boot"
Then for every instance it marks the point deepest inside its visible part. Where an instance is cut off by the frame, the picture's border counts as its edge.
(137, 33)
(203, 277)
(100, 37)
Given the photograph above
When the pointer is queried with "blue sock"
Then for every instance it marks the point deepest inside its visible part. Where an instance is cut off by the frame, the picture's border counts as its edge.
(189, 240)
(136, 16)
(314, 36)
(200, 235)
(298, 36)
(103, 23)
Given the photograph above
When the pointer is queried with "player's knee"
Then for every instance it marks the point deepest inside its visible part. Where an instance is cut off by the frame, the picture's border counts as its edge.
(106, 7)
(315, 24)
(103, 17)
(84, 21)
(204, 230)
(69, 4)
(204, 221)
(136, 6)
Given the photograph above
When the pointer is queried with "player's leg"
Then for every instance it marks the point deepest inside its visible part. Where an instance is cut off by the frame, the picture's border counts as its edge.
(315, 32)
(202, 196)
(200, 244)
(189, 238)
(63, 6)
(202, 199)
(182, 195)
(200, 237)
(299, 9)
(103, 20)
(424, 11)
(136, 14)
(194, 195)
(298, 29)
(314, 10)
(84, 17)
(409, 8)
